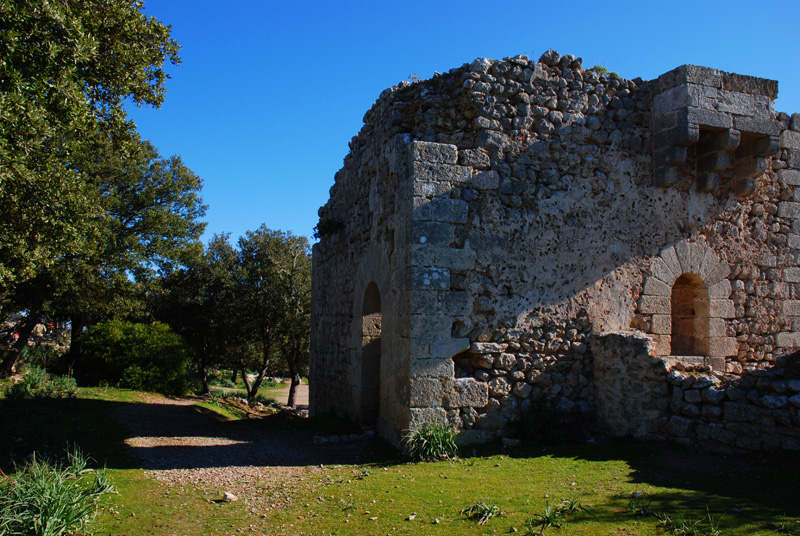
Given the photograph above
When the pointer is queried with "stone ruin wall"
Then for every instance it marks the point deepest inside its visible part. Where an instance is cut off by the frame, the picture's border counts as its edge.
(516, 207)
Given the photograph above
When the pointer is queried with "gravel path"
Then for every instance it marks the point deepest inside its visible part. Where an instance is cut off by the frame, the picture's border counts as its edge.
(185, 445)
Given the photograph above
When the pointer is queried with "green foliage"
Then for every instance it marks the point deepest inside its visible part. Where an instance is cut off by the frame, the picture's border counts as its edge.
(682, 526)
(639, 505)
(602, 70)
(431, 442)
(482, 511)
(67, 68)
(44, 498)
(37, 383)
(43, 356)
(554, 515)
(148, 357)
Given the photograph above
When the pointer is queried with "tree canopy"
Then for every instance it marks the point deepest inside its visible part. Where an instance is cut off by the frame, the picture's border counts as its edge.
(66, 68)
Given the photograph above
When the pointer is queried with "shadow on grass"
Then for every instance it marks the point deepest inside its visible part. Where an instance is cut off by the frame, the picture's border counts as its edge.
(168, 436)
(753, 490)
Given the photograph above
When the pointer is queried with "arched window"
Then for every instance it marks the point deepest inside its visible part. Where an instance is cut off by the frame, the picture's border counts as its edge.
(371, 355)
(690, 314)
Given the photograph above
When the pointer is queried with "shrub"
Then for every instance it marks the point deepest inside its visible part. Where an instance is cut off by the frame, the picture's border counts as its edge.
(36, 383)
(147, 357)
(431, 441)
(49, 499)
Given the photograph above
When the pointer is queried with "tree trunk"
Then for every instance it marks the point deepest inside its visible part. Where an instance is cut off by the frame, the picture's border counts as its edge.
(245, 379)
(7, 366)
(233, 376)
(77, 326)
(204, 374)
(293, 390)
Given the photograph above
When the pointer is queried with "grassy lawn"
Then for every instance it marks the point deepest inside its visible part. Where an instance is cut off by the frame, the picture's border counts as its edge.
(748, 495)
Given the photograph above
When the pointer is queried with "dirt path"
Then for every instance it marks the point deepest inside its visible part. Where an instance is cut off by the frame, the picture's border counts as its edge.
(183, 444)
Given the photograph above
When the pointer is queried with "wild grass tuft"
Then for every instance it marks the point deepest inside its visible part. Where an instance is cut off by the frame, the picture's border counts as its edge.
(554, 514)
(482, 511)
(44, 498)
(430, 442)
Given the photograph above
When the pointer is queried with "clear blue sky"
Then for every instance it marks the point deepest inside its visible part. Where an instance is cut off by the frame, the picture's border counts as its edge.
(270, 92)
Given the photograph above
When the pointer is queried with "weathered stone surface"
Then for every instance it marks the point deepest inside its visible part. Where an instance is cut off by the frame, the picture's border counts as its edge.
(511, 217)
(435, 153)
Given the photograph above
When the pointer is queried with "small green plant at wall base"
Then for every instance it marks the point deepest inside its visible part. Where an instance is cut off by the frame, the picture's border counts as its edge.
(482, 511)
(50, 499)
(431, 441)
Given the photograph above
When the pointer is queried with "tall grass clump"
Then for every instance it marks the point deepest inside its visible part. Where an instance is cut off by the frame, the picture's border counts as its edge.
(430, 442)
(43, 498)
(37, 383)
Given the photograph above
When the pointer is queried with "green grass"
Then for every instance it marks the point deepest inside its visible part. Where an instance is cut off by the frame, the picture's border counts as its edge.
(746, 496)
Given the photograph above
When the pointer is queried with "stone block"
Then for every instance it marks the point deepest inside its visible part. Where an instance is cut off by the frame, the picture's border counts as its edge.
(661, 325)
(752, 85)
(432, 368)
(424, 301)
(683, 250)
(419, 416)
(717, 327)
(689, 74)
(759, 125)
(721, 290)
(456, 302)
(421, 209)
(486, 180)
(450, 210)
(660, 270)
(675, 98)
(429, 189)
(739, 411)
(787, 339)
(654, 305)
(433, 233)
(499, 386)
(670, 258)
(793, 241)
(721, 309)
(680, 426)
(662, 345)
(440, 173)
(718, 273)
(466, 438)
(789, 176)
(708, 118)
(426, 392)
(791, 275)
(436, 153)
(790, 140)
(442, 256)
(788, 209)
(722, 346)
(428, 327)
(447, 347)
(430, 278)
(487, 347)
(474, 158)
(791, 307)
(655, 287)
(713, 395)
(467, 392)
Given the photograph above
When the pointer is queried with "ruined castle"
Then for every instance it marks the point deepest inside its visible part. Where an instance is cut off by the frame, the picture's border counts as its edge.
(514, 231)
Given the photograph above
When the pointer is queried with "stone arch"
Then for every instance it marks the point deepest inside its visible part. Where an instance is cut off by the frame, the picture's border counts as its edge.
(687, 299)
(369, 404)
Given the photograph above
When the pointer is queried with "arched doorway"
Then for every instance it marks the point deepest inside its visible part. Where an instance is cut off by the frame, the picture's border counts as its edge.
(690, 314)
(371, 355)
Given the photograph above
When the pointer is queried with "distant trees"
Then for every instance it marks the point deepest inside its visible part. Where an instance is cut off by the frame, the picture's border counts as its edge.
(245, 308)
